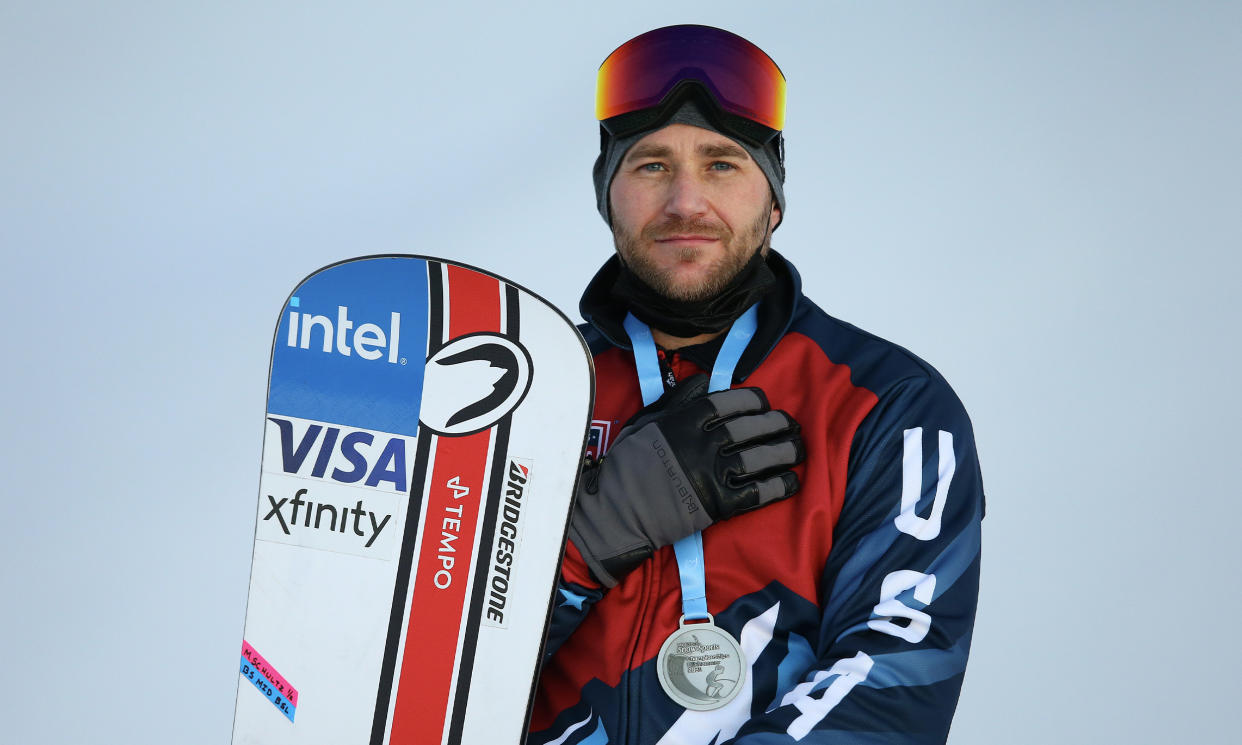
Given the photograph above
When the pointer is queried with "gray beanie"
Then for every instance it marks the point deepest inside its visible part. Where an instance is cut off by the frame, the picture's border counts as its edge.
(613, 149)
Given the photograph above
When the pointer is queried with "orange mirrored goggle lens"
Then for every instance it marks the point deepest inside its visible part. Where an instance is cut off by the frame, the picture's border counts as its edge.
(642, 71)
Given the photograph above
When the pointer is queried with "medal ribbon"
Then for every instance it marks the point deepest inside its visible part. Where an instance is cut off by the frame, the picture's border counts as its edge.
(689, 550)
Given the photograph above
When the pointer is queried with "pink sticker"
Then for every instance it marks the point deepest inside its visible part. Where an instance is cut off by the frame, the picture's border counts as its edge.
(269, 672)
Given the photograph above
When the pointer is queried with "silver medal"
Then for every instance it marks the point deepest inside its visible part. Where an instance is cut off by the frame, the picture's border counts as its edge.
(700, 666)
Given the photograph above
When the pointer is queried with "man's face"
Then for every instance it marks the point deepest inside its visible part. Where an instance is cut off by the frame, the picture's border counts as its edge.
(689, 206)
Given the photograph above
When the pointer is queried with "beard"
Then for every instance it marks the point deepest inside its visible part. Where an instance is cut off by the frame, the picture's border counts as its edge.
(635, 251)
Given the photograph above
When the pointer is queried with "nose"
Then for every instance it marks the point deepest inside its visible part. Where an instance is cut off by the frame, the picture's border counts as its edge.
(687, 197)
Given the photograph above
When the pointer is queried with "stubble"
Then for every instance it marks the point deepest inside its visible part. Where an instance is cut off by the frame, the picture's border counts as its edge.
(637, 251)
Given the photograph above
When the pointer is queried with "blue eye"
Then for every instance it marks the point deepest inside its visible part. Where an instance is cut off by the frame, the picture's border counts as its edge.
(720, 165)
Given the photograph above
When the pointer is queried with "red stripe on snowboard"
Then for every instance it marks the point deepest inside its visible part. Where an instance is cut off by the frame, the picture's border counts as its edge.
(474, 302)
(454, 496)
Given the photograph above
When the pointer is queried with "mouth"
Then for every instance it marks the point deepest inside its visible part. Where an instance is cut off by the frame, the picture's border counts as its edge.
(687, 239)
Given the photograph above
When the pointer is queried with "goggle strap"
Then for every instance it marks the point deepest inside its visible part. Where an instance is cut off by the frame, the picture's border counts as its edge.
(735, 124)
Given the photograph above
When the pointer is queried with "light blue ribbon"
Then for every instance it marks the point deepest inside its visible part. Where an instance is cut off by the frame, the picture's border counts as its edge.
(689, 550)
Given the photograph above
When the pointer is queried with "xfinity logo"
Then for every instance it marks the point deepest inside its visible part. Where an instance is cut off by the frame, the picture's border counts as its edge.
(368, 341)
(365, 524)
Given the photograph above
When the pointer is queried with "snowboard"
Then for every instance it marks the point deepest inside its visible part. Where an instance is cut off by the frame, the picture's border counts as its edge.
(424, 431)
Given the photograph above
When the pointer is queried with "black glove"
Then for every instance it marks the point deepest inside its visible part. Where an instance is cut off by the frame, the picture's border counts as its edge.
(688, 460)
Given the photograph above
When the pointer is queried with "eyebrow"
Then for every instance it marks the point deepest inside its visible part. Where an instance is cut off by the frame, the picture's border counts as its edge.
(641, 152)
(714, 150)
(708, 150)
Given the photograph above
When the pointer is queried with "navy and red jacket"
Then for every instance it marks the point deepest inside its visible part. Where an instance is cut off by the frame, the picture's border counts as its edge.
(853, 601)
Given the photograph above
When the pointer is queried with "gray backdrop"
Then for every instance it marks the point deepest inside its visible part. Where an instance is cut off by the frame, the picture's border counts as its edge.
(1040, 198)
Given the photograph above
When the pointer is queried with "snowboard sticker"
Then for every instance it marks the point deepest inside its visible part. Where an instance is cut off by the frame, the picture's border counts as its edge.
(425, 426)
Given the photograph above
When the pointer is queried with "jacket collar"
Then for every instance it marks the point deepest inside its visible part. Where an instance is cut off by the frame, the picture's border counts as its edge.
(605, 314)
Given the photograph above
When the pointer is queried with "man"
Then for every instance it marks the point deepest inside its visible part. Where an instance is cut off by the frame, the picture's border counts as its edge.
(787, 550)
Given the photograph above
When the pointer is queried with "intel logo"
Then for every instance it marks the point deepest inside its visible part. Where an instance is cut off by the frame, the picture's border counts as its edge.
(369, 341)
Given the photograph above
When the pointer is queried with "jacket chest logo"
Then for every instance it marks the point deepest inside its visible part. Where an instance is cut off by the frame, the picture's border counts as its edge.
(599, 438)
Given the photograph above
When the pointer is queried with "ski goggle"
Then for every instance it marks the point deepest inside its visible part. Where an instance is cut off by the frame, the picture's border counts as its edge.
(642, 79)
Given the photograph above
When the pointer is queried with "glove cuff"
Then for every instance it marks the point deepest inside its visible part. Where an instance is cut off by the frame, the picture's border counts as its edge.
(608, 571)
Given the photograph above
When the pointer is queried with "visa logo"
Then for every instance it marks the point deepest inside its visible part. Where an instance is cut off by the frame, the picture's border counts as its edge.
(368, 340)
(356, 456)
